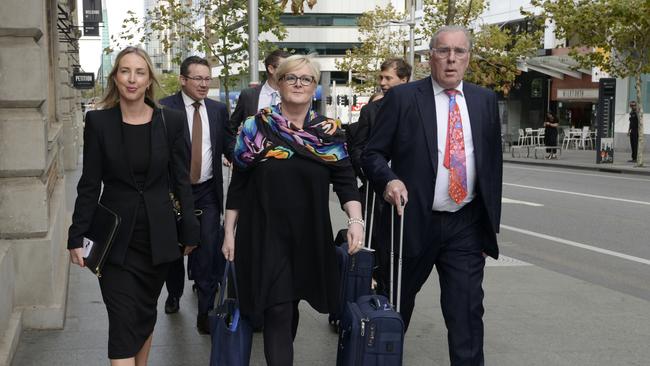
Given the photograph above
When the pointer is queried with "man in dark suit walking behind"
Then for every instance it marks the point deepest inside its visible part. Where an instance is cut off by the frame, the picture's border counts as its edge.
(442, 137)
(209, 138)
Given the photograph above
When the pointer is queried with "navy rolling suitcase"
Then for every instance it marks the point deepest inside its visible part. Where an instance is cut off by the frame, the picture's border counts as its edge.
(371, 332)
(356, 274)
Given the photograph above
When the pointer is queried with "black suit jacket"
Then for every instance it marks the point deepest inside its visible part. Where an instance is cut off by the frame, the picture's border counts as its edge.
(220, 136)
(105, 162)
(405, 134)
(358, 140)
(246, 106)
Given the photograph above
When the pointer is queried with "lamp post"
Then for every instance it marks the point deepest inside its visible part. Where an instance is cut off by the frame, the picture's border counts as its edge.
(253, 49)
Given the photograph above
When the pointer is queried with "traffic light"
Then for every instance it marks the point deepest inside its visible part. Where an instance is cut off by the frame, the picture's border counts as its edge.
(328, 100)
(338, 100)
(346, 101)
(354, 99)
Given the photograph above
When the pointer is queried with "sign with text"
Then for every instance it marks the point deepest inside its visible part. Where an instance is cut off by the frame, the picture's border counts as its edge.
(92, 11)
(605, 121)
(83, 80)
(91, 29)
(577, 94)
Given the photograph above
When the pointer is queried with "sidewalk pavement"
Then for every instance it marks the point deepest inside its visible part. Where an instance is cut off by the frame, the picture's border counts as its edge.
(576, 159)
(534, 317)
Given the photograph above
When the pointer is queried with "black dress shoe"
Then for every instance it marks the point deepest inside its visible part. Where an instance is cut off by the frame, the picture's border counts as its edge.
(202, 324)
(172, 305)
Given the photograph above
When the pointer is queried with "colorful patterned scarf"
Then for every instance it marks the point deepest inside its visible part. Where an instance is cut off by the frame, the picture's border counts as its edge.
(269, 135)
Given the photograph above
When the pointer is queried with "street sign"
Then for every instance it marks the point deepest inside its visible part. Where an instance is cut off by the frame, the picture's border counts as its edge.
(83, 80)
(605, 121)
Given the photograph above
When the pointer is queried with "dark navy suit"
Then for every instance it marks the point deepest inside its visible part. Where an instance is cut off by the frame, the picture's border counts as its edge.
(406, 135)
(206, 263)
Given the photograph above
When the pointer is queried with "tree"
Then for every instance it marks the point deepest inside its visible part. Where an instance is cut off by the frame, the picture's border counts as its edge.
(379, 41)
(216, 28)
(609, 34)
(496, 50)
(169, 84)
(298, 6)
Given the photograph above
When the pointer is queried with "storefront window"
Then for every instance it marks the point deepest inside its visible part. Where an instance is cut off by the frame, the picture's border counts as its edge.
(645, 91)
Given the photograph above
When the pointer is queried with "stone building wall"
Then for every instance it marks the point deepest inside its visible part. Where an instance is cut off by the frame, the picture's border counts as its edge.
(40, 129)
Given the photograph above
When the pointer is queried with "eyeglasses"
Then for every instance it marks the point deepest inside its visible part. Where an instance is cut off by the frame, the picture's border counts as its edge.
(444, 52)
(198, 79)
(293, 79)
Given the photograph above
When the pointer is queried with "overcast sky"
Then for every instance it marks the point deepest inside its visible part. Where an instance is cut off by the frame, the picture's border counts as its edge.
(90, 48)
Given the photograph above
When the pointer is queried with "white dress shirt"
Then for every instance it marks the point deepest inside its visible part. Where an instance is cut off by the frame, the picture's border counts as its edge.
(441, 199)
(206, 144)
(267, 96)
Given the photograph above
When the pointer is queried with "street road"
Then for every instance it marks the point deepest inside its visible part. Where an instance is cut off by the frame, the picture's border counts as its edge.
(588, 225)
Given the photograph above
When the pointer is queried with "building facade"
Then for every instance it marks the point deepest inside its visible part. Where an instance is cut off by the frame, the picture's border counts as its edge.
(40, 137)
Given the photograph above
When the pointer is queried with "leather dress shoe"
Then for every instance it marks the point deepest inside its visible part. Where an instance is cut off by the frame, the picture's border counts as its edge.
(202, 324)
(172, 305)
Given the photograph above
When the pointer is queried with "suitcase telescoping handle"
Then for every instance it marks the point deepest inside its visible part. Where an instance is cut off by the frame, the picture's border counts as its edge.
(370, 218)
(398, 294)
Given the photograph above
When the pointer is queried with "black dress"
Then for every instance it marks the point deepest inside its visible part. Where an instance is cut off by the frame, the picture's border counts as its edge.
(550, 138)
(284, 247)
(131, 291)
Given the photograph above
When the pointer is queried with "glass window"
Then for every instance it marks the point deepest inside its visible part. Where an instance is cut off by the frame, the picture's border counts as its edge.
(323, 49)
(645, 92)
(344, 20)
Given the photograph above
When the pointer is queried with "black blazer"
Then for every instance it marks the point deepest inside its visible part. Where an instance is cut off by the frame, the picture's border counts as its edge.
(220, 136)
(247, 103)
(405, 134)
(358, 140)
(105, 162)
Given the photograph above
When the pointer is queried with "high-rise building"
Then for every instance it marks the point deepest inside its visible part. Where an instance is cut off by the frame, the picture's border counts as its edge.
(162, 59)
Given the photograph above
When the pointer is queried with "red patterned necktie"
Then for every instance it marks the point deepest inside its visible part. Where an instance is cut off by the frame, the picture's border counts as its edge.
(455, 151)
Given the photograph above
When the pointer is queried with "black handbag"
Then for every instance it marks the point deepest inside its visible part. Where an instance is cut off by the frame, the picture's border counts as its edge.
(99, 238)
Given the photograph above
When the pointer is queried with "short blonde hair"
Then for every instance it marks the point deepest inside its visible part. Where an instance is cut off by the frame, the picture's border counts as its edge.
(112, 96)
(295, 62)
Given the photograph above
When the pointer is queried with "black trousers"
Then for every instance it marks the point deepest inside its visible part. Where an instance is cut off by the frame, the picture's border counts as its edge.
(206, 263)
(634, 143)
(457, 255)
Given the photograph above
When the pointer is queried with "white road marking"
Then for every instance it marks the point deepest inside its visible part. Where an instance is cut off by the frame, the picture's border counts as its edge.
(526, 203)
(578, 194)
(578, 245)
(569, 171)
(504, 261)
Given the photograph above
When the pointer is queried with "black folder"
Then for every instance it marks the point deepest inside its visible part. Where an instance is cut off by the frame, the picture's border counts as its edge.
(99, 238)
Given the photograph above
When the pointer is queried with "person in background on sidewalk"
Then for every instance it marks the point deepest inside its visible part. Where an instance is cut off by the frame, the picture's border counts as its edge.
(550, 134)
(261, 96)
(278, 219)
(209, 138)
(393, 72)
(126, 150)
(633, 130)
(443, 138)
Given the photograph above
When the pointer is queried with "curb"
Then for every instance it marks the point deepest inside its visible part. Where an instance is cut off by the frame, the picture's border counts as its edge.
(593, 167)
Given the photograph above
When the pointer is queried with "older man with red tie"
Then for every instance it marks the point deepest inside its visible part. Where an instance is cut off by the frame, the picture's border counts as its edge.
(442, 137)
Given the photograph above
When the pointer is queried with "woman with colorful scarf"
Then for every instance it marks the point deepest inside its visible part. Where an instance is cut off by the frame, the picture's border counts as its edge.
(277, 212)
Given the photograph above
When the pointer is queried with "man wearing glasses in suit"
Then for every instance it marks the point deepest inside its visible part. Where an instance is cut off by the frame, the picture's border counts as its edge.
(442, 136)
(208, 138)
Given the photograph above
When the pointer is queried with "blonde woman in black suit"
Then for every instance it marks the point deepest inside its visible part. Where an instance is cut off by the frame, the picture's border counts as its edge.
(133, 152)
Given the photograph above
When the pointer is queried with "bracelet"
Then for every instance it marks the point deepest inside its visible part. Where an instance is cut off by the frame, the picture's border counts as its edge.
(355, 220)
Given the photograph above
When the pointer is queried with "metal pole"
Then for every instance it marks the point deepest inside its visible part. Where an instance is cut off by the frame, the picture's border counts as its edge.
(412, 36)
(253, 46)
